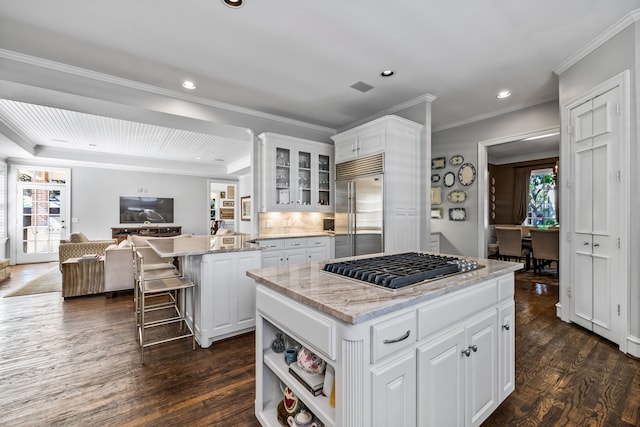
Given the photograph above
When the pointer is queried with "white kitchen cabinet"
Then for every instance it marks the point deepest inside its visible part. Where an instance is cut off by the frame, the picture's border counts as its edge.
(506, 335)
(296, 174)
(361, 144)
(297, 250)
(459, 374)
(399, 140)
(225, 295)
(435, 243)
(393, 382)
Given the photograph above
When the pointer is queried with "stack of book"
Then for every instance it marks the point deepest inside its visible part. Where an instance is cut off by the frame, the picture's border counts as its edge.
(312, 382)
(89, 257)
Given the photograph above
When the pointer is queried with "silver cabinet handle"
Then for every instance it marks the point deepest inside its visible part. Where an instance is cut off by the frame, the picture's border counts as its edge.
(467, 352)
(474, 348)
(585, 244)
(595, 245)
(402, 338)
(506, 327)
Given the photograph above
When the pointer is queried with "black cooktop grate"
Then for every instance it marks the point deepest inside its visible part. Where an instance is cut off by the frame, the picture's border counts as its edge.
(399, 270)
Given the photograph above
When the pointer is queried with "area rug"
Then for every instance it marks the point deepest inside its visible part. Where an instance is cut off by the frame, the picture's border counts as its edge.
(51, 281)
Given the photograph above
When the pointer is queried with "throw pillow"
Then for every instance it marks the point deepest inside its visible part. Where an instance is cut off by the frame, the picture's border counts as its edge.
(124, 244)
(138, 241)
(78, 238)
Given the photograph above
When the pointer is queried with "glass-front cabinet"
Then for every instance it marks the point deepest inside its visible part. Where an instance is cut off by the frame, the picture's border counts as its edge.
(296, 174)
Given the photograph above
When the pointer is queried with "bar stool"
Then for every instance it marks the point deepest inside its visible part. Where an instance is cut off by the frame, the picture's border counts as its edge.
(171, 289)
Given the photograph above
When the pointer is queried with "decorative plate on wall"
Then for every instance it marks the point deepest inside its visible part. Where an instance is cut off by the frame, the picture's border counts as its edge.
(457, 214)
(438, 163)
(435, 178)
(436, 195)
(436, 213)
(449, 179)
(467, 174)
(456, 160)
(457, 196)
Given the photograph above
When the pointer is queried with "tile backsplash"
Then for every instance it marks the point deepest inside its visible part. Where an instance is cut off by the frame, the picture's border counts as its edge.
(291, 222)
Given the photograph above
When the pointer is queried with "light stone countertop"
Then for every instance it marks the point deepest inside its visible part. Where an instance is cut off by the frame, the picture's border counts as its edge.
(354, 302)
(187, 244)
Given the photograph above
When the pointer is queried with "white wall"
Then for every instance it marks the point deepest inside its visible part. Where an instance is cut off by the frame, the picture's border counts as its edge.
(616, 55)
(95, 196)
(245, 188)
(461, 237)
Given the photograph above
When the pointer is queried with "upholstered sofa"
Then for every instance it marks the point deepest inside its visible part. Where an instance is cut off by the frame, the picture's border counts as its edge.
(78, 245)
(118, 262)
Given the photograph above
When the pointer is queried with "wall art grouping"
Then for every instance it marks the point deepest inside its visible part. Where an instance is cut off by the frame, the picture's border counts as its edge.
(445, 177)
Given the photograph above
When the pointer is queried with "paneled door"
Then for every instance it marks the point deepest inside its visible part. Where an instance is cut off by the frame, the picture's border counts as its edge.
(41, 217)
(596, 200)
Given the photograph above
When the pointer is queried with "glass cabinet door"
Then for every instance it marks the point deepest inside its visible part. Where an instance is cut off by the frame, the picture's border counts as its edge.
(304, 178)
(324, 181)
(283, 176)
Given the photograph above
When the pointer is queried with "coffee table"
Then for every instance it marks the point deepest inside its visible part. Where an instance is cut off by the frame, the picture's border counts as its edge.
(82, 277)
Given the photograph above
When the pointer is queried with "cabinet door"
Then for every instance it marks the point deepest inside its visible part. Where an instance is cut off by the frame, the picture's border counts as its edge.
(345, 149)
(304, 178)
(371, 142)
(223, 303)
(295, 256)
(324, 182)
(441, 381)
(393, 388)
(272, 258)
(481, 370)
(284, 176)
(506, 350)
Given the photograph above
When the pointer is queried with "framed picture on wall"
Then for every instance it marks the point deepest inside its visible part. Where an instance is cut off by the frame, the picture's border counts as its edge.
(245, 208)
(227, 203)
(231, 192)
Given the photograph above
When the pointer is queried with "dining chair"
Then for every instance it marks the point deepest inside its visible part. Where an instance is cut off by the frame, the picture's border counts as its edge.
(510, 244)
(546, 248)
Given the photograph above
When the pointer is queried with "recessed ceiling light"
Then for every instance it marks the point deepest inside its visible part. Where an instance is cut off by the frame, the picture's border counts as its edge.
(503, 94)
(188, 84)
(387, 73)
(233, 3)
(198, 158)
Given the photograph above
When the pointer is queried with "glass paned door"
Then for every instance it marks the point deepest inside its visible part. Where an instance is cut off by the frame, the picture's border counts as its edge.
(41, 221)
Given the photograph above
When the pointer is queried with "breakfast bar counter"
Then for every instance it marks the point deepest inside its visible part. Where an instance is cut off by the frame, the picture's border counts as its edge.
(436, 353)
(225, 296)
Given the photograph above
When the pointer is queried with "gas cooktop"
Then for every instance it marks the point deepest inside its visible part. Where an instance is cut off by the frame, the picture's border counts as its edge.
(400, 270)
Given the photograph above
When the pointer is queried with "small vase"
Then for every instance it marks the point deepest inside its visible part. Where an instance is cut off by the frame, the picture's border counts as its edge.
(278, 344)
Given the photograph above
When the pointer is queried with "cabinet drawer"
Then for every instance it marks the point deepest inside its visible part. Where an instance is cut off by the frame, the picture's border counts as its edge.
(295, 243)
(317, 242)
(298, 321)
(436, 317)
(391, 335)
(271, 244)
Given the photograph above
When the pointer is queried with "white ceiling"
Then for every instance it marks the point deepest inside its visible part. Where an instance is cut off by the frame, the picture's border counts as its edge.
(295, 60)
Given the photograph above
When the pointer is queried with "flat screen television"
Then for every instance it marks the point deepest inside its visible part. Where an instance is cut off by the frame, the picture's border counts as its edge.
(138, 210)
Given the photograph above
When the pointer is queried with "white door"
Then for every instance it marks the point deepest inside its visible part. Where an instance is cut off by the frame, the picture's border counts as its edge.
(393, 384)
(481, 370)
(596, 196)
(41, 217)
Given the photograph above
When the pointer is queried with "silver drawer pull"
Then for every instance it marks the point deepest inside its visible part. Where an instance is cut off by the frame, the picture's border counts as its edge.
(395, 340)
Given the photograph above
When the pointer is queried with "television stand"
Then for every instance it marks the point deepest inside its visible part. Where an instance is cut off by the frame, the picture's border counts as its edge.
(121, 233)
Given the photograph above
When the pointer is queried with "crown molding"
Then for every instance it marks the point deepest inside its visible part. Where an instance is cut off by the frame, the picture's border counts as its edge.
(604, 37)
(495, 113)
(131, 84)
(427, 97)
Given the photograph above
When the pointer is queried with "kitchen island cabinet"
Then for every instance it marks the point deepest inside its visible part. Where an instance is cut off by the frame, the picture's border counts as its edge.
(428, 355)
(225, 296)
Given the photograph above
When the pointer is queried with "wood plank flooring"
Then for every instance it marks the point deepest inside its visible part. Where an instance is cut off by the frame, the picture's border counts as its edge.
(75, 362)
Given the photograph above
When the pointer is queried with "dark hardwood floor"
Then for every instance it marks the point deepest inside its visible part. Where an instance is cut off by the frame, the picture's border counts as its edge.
(75, 362)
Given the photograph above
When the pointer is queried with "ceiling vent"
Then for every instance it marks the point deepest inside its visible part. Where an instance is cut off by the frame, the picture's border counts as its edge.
(362, 87)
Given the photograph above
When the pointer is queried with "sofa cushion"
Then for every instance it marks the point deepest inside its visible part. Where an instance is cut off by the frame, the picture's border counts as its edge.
(124, 244)
(78, 238)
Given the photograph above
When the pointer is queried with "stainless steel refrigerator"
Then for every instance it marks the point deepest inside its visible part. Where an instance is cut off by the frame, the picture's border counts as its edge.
(359, 216)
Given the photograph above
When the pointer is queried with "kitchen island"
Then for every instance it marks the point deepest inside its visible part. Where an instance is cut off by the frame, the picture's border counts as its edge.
(225, 296)
(434, 354)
